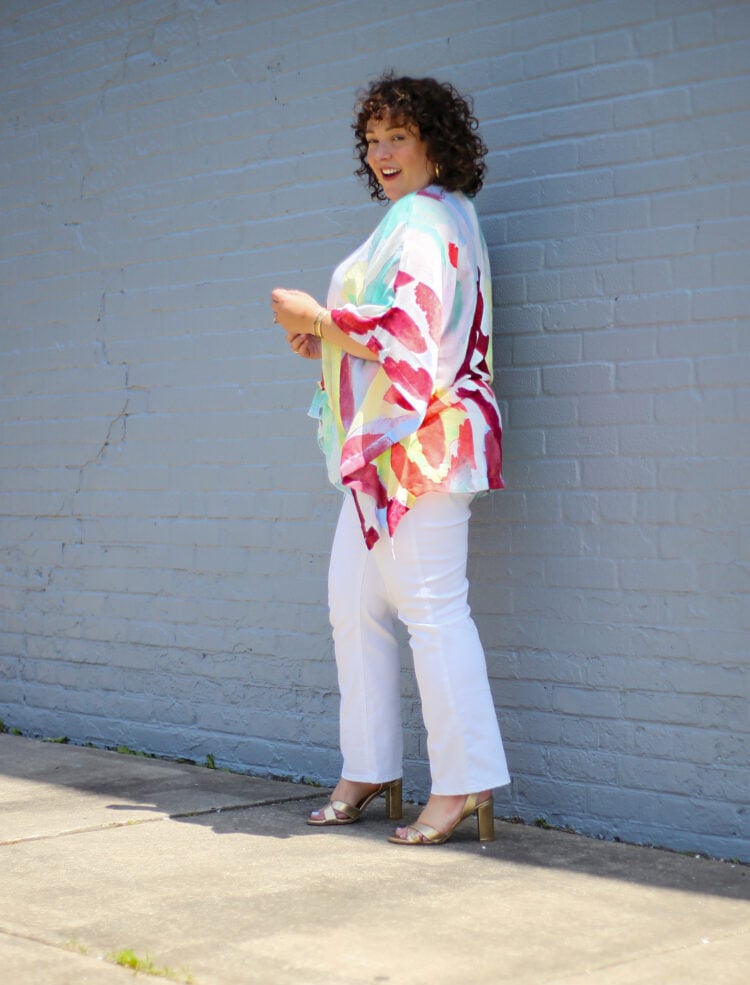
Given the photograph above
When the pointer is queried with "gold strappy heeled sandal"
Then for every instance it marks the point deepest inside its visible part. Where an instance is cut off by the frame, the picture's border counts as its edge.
(420, 833)
(353, 812)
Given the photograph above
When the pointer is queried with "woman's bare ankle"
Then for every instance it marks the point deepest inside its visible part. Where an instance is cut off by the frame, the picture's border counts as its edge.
(443, 810)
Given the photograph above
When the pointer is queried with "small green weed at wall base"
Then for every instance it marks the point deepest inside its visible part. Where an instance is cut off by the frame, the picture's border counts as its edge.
(9, 731)
(127, 958)
(127, 751)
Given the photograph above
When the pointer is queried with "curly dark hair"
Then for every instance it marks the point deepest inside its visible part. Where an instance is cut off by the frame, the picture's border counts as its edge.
(444, 119)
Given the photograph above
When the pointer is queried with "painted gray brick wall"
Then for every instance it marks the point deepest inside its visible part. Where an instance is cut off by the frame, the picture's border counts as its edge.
(164, 514)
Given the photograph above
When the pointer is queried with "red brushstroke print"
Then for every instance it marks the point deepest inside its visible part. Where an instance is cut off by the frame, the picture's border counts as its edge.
(370, 533)
(402, 279)
(407, 472)
(416, 382)
(432, 440)
(352, 323)
(367, 480)
(398, 324)
(394, 513)
(429, 302)
(464, 455)
(360, 449)
(394, 396)
(477, 344)
(493, 454)
(346, 392)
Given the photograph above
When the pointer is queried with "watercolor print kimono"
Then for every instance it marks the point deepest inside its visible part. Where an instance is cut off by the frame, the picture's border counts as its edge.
(423, 418)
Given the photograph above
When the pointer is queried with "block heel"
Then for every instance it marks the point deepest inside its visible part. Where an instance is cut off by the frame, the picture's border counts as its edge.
(420, 833)
(338, 812)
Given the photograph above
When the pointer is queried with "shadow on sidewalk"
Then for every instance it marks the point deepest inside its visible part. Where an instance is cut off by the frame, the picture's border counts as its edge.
(48, 790)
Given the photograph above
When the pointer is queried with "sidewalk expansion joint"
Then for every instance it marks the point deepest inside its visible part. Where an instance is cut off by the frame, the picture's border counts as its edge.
(639, 956)
(270, 802)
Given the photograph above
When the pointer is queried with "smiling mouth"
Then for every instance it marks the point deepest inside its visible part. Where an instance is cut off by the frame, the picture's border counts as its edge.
(390, 172)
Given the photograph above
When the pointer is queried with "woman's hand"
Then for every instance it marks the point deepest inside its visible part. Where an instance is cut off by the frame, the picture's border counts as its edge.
(295, 311)
(306, 346)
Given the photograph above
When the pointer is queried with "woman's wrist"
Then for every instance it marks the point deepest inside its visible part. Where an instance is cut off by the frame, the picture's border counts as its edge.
(318, 323)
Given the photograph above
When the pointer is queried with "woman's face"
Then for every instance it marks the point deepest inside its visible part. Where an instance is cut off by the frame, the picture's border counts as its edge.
(398, 156)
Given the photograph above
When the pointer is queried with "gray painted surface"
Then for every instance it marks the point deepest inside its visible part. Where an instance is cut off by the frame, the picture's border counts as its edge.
(164, 514)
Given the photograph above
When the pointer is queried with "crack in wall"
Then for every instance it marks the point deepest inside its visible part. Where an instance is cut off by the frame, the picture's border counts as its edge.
(98, 457)
(69, 506)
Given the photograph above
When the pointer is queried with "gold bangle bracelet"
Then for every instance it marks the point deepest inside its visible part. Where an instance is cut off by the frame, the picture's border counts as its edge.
(318, 323)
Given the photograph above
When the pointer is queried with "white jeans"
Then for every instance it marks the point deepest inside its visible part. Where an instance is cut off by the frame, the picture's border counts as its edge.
(419, 577)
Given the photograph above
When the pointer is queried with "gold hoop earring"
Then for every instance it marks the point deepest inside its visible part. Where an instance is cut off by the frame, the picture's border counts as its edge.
(437, 172)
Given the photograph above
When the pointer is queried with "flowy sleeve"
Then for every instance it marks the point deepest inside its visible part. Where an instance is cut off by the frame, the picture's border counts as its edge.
(409, 284)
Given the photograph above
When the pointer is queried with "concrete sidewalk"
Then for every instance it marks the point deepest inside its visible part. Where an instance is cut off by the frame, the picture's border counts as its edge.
(217, 879)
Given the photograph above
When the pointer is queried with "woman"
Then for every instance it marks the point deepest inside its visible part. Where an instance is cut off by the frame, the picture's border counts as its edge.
(411, 432)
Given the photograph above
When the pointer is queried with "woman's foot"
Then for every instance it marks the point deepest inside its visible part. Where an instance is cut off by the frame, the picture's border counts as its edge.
(350, 798)
(441, 816)
(350, 792)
